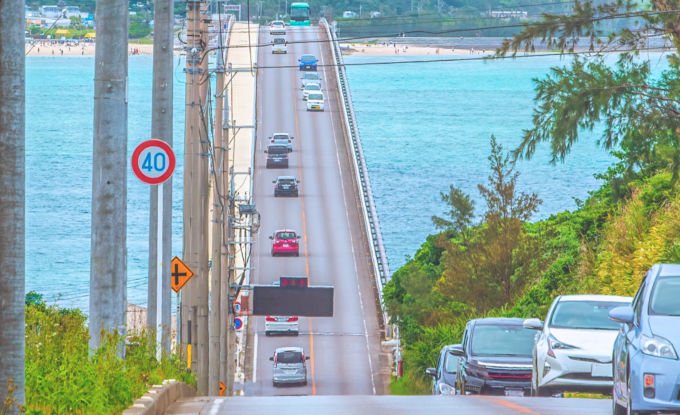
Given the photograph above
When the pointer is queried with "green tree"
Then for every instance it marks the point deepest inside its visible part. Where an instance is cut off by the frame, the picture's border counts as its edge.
(461, 212)
(640, 112)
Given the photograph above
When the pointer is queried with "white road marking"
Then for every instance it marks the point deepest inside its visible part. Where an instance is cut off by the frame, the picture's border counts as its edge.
(255, 359)
(351, 239)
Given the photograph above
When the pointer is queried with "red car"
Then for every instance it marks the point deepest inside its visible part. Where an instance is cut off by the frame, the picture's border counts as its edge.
(285, 242)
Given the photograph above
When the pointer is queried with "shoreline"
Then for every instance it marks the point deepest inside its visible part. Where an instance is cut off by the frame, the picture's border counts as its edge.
(47, 49)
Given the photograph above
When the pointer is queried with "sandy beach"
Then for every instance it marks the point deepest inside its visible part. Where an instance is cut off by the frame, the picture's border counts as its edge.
(46, 48)
(397, 49)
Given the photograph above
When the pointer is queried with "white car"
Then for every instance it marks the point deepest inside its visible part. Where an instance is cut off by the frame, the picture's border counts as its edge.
(279, 45)
(310, 89)
(277, 28)
(573, 350)
(283, 139)
(281, 324)
(310, 78)
(315, 101)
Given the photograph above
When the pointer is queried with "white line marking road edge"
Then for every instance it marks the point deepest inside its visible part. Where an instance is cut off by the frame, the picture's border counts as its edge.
(255, 359)
(351, 239)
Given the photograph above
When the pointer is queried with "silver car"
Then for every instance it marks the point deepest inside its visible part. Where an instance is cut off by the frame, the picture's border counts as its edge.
(282, 139)
(290, 366)
(310, 78)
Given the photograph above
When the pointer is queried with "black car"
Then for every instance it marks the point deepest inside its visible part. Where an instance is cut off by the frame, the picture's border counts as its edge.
(286, 186)
(444, 375)
(277, 156)
(495, 358)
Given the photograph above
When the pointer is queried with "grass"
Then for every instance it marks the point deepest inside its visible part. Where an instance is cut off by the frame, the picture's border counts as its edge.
(143, 41)
(64, 376)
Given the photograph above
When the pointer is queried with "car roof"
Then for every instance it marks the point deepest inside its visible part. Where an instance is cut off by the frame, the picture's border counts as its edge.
(498, 320)
(285, 178)
(669, 270)
(284, 230)
(308, 57)
(313, 86)
(289, 349)
(596, 297)
(278, 22)
(280, 134)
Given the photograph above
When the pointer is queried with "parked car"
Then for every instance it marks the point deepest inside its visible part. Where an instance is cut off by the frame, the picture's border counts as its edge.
(285, 242)
(310, 89)
(277, 28)
(286, 186)
(645, 360)
(444, 375)
(573, 351)
(290, 366)
(496, 357)
(315, 101)
(308, 63)
(279, 45)
(283, 139)
(309, 78)
(277, 156)
(281, 324)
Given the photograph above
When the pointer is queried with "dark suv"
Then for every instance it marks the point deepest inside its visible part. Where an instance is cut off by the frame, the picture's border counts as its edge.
(495, 358)
(277, 156)
(286, 186)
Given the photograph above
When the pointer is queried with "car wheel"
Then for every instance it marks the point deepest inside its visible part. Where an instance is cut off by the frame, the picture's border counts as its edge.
(275, 195)
(266, 333)
(275, 384)
(273, 254)
(304, 383)
(296, 333)
(297, 254)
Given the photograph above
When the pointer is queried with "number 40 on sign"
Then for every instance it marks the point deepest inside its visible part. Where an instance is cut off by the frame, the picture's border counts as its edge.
(153, 161)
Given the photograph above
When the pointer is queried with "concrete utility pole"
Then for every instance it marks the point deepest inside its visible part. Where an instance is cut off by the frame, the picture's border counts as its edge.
(161, 129)
(195, 252)
(218, 211)
(12, 199)
(228, 180)
(108, 257)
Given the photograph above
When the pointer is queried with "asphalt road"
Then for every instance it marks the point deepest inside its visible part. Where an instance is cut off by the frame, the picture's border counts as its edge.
(344, 350)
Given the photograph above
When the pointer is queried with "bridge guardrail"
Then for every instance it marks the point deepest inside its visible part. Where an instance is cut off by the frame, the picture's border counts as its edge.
(370, 215)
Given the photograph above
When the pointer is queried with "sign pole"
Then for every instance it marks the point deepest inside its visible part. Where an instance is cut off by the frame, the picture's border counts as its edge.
(159, 275)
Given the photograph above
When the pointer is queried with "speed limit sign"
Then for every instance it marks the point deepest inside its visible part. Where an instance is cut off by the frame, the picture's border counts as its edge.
(153, 161)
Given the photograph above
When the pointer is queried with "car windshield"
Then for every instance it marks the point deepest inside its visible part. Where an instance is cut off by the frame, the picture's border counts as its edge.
(277, 150)
(311, 76)
(313, 87)
(451, 363)
(289, 357)
(585, 315)
(285, 235)
(664, 299)
(315, 97)
(307, 58)
(299, 12)
(279, 40)
(280, 137)
(502, 340)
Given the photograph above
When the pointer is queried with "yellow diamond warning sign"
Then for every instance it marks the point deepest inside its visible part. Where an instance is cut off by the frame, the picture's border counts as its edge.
(180, 274)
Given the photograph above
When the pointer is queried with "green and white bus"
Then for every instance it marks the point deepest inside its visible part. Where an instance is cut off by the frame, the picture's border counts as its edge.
(299, 14)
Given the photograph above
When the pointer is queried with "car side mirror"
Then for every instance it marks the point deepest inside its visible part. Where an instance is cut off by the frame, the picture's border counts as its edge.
(533, 324)
(297, 181)
(298, 237)
(306, 357)
(271, 237)
(624, 315)
(265, 151)
(431, 371)
(457, 350)
(271, 358)
(274, 181)
(292, 138)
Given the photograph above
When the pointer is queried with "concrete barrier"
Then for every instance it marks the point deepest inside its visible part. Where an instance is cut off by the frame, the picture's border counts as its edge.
(159, 398)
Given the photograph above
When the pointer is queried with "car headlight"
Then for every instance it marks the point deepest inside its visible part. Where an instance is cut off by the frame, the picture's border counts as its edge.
(445, 389)
(657, 346)
(554, 344)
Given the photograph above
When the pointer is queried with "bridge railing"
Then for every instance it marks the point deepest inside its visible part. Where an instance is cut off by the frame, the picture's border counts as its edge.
(370, 215)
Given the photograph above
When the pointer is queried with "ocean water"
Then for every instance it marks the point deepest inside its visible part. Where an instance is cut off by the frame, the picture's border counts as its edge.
(59, 122)
(426, 126)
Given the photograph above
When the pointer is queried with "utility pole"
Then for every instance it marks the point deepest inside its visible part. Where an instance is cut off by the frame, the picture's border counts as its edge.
(161, 129)
(195, 252)
(13, 200)
(216, 311)
(228, 181)
(108, 255)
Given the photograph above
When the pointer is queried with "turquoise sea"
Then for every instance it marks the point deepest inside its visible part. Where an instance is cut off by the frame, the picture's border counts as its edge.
(424, 126)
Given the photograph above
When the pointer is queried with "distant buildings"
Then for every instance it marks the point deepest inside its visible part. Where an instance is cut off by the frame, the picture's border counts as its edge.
(349, 15)
(507, 14)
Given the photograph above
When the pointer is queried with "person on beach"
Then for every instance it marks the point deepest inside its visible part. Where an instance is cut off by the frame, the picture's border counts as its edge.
(437, 51)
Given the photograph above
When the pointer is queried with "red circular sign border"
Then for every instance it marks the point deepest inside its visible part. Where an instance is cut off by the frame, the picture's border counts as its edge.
(135, 161)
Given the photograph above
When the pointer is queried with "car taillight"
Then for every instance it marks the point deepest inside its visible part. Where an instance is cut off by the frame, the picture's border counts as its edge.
(294, 318)
(272, 141)
(270, 318)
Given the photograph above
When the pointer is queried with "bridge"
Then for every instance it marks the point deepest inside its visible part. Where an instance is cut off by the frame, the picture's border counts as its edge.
(331, 213)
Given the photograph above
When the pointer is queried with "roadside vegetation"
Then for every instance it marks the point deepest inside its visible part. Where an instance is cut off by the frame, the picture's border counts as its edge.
(503, 264)
(63, 376)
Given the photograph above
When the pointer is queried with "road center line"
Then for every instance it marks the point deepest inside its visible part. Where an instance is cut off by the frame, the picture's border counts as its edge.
(509, 405)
